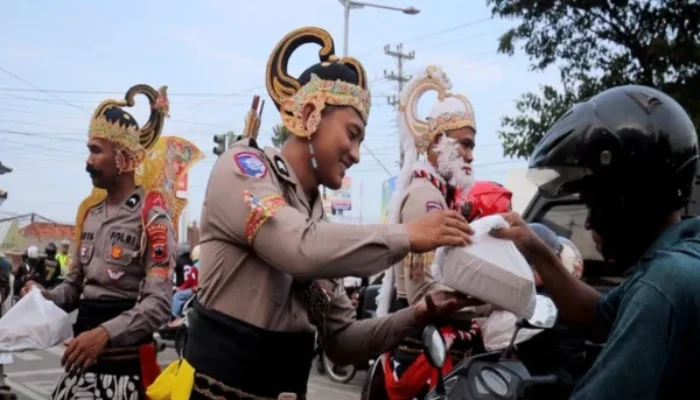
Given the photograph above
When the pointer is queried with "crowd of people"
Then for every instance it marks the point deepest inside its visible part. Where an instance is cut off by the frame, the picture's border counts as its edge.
(266, 274)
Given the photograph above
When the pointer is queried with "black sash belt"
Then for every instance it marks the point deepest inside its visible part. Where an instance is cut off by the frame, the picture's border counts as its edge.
(244, 358)
(114, 360)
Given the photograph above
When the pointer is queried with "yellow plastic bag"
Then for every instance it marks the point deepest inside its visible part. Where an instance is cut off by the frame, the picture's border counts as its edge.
(174, 383)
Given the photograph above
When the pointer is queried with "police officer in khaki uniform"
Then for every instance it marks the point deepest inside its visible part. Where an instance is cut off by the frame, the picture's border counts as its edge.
(437, 166)
(269, 256)
(122, 259)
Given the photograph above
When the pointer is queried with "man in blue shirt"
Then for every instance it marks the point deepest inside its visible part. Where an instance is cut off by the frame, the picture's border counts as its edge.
(631, 153)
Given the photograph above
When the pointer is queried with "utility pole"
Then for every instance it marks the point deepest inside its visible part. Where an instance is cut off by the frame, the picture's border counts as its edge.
(399, 76)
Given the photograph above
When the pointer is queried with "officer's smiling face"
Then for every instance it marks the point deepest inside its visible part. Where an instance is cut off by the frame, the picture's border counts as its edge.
(337, 144)
(101, 163)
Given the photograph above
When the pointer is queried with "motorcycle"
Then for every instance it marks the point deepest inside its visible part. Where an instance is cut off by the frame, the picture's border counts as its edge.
(502, 374)
(344, 374)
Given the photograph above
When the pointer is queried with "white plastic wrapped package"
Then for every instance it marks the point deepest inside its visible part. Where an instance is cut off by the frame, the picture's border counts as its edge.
(34, 323)
(491, 269)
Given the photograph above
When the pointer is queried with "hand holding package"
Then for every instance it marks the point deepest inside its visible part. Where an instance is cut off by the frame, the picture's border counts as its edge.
(34, 323)
(491, 269)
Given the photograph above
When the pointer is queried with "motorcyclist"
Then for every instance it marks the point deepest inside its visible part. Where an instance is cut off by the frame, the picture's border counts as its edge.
(52, 267)
(631, 153)
(30, 270)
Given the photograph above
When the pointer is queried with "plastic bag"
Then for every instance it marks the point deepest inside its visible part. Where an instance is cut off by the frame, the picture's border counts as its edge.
(497, 330)
(491, 269)
(34, 323)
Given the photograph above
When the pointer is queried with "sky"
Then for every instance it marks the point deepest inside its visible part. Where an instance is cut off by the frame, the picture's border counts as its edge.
(60, 59)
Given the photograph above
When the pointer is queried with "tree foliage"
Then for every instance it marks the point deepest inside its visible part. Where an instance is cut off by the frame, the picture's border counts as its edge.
(279, 135)
(598, 44)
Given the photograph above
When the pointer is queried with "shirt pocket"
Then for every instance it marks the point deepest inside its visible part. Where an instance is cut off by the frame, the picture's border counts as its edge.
(122, 263)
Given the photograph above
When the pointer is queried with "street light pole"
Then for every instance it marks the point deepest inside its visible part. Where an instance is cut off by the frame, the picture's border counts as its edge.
(346, 33)
(350, 4)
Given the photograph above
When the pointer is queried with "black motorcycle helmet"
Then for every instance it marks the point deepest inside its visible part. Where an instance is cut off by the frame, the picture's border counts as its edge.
(51, 249)
(631, 152)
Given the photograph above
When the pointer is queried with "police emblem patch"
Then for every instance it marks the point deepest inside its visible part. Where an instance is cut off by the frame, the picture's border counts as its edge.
(158, 238)
(432, 205)
(250, 164)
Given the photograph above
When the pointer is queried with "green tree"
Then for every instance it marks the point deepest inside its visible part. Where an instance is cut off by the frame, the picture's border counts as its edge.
(279, 135)
(598, 44)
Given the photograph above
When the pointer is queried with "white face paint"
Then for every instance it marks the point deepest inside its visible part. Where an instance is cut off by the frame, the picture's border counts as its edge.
(451, 166)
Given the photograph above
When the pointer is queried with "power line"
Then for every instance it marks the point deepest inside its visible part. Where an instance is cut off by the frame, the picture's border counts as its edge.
(42, 90)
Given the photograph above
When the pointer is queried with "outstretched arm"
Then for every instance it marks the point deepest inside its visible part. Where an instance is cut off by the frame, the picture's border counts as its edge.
(250, 209)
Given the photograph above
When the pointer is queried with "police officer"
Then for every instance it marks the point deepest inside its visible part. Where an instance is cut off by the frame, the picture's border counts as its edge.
(119, 280)
(64, 257)
(268, 253)
(51, 266)
(631, 153)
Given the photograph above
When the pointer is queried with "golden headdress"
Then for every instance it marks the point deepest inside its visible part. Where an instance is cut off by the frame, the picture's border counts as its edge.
(111, 122)
(333, 81)
(452, 111)
(163, 161)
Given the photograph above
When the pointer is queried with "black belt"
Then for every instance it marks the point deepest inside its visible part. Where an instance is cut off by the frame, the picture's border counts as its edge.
(231, 355)
(114, 360)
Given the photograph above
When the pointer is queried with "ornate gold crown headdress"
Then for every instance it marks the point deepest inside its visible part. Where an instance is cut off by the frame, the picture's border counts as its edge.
(450, 112)
(125, 132)
(333, 81)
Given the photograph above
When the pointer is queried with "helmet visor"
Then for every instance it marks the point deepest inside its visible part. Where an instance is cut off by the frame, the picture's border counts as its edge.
(558, 181)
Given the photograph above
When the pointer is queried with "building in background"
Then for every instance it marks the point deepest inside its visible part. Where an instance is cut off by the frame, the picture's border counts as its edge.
(18, 233)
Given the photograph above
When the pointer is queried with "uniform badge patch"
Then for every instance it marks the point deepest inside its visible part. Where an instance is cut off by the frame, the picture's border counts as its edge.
(250, 164)
(432, 205)
(158, 239)
(83, 251)
(260, 211)
(281, 166)
(132, 201)
(116, 252)
(114, 275)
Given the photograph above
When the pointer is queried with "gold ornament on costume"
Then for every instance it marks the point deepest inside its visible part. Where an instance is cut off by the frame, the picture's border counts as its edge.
(450, 112)
(328, 82)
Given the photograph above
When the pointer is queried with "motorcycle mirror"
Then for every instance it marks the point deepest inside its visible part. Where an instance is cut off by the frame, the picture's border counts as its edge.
(545, 315)
(434, 346)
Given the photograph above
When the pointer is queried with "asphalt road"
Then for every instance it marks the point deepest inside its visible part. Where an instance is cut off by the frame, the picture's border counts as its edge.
(32, 376)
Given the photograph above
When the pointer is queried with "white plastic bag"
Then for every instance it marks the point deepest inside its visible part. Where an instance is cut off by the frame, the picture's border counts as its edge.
(491, 269)
(497, 330)
(34, 323)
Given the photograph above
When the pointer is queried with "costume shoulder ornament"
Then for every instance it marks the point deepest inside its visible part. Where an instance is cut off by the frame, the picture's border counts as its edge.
(333, 81)
(136, 142)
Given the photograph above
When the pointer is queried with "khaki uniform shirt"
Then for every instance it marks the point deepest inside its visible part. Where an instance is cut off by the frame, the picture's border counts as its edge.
(249, 257)
(111, 264)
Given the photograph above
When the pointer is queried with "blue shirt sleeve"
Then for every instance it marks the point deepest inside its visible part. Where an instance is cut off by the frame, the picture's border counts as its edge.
(639, 346)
